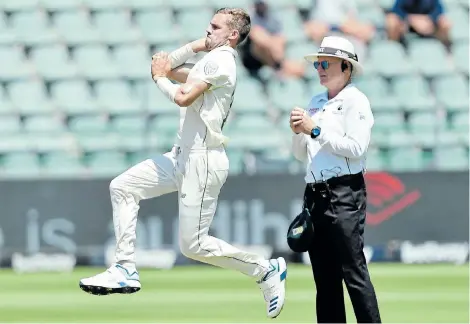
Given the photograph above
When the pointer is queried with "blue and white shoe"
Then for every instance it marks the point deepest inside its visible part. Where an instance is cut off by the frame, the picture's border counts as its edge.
(115, 280)
(273, 285)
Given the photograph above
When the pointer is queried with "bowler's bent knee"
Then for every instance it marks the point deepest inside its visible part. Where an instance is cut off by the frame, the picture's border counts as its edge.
(193, 247)
(189, 247)
(117, 185)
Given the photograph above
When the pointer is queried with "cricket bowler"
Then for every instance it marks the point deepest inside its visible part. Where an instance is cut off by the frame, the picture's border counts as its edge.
(197, 167)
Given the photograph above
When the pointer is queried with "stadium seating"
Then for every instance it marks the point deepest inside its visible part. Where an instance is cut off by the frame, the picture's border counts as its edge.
(388, 59)
(452, 92)
(377, 90)
(76, 99)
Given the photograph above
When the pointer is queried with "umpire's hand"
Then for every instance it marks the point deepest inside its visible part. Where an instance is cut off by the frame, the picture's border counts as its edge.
(300, 121)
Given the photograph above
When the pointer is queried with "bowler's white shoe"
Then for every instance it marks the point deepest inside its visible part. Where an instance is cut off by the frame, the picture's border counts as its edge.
(273, 286)
(115, 280)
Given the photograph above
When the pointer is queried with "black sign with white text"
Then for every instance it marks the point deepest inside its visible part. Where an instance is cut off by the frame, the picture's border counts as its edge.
(75, 216)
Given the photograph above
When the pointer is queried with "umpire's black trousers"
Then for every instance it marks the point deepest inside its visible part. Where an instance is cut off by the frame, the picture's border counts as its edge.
(336, 253)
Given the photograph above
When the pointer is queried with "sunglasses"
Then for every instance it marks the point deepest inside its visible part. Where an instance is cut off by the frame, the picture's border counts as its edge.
(324, 64)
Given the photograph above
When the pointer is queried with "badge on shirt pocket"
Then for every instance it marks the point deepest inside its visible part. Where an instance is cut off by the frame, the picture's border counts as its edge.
(338, 111)
(336, 108)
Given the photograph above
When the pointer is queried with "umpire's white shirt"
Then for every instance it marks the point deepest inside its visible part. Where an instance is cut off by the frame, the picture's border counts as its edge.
(346, 122)
(204, 118)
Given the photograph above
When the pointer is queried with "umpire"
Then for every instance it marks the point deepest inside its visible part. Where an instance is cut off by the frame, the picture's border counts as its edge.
(332, 136)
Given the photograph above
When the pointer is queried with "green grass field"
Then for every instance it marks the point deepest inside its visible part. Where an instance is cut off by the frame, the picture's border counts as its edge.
(407, 293)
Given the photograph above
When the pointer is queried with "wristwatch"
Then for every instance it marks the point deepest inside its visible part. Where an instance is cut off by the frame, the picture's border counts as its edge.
(315, 132)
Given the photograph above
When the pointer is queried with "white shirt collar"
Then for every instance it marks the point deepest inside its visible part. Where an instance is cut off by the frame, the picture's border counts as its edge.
(226, 48)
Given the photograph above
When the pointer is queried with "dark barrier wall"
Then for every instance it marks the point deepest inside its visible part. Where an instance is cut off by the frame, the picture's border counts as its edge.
(75, 216)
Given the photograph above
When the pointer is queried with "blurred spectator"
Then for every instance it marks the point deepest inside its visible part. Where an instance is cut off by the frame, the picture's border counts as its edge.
(339, 18)
(422, 17)
(265, 45)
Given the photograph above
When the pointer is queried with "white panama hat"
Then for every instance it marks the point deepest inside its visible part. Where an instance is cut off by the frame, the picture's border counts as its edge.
(336, 46)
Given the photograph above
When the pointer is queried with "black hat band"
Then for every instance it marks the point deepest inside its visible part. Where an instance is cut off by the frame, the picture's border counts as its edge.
(337, 52)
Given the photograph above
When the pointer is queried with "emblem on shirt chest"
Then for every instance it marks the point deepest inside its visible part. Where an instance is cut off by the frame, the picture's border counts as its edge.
(210, 68)
(338, 110)
(336, 107)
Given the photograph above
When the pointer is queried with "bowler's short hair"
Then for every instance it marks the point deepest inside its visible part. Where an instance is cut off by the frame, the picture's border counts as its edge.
(240, 20)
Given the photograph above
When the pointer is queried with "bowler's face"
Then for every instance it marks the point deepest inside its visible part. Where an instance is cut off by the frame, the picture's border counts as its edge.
(218, 32)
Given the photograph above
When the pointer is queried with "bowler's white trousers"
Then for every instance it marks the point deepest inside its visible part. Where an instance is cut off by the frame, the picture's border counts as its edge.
(198, 175)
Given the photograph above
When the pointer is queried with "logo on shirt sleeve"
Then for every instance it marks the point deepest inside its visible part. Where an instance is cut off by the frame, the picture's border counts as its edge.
(210, 68)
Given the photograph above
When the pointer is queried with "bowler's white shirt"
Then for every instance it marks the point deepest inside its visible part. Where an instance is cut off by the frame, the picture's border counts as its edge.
(201, 122)
(346, 122)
